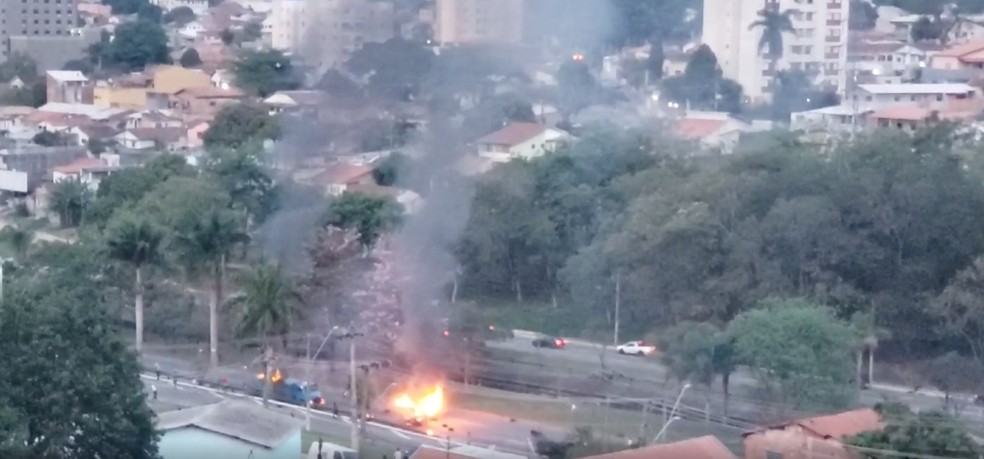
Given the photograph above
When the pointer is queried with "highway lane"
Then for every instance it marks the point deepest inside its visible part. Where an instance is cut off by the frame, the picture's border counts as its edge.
(457, 426)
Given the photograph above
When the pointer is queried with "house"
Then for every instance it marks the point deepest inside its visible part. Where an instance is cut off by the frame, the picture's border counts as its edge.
(34, 164)
(205, 101)
(93, 112)
(233, 428)
(337, 177)
(15, 83)
(461, 452)
(165, 138)
(170, 79)
(706, 447)
(195, 137)
(89, 171)
(520, 140)
(69, 87)
(710, 129)
(954, 96)
(911, 118)
(153, 119)
(86, 133)
(960, 56)
(191, 30)
(835, 119)
(222, 79)
(305, 101)
(820, 436)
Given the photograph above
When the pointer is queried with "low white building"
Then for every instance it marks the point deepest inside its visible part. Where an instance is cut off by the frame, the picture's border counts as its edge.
(836, 119)
(89, 171)
(935, 96)
(520, 141)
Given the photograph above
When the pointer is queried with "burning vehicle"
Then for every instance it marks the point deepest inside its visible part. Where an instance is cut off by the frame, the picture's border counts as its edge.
(289, 390)
(420, 404)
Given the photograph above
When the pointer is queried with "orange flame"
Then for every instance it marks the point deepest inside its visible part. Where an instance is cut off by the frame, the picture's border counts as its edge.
(275, 377)
(428, 406)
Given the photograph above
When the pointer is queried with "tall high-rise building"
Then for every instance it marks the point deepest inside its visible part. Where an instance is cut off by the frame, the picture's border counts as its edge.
(479, 21)
(35, 18)
(817, 45)
(327, 31)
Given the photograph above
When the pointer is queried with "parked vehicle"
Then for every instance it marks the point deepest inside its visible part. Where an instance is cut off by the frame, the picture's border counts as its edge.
(636, 348)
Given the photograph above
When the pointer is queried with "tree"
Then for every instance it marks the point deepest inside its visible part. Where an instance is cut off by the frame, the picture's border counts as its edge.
(265, 72)
(150, 13)
(137, 242)
(961, 307)
(190, 58)
(951, 373)
(227, 36)
(239, 124)
(656, 59)
(371, 216)
(389, 171)
(269, 304)
(180, 16)
(794, 92)
(773, 24)
(125, 6)
(699, 352)
(394, 69)
(496, 111)
(863, 15)
(576, 87)
(205, 245)
(69, 199)
(20, 66)
(32, 95)
(18, 239)
(702, 85)
(54, 326)
(49, 139)
(124, 189)
(926, 434)
(241, 174)
(137, 45)
(926, 29)
(800, 352)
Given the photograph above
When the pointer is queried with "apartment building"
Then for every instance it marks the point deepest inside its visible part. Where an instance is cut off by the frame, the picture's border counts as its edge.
(479, 21)
(35, 18)
(818, 45)
(327, 31)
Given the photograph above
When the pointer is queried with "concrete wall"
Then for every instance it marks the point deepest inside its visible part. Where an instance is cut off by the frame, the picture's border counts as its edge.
(194, 443)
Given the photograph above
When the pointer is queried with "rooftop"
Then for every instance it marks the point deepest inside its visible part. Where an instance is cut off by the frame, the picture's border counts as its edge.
(241, 420)
(835, 426)
(697, 128)
(212, 93)
(918, 88)
(706, 447)
(79, 165)
(961, 49)
(66, 76)
(92, 111)
(513, 134)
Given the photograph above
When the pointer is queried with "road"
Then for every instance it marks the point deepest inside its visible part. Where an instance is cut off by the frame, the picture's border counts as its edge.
(467, 427)
(587, 357)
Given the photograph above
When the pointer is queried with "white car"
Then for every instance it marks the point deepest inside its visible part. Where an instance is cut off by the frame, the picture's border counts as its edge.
(636, 348)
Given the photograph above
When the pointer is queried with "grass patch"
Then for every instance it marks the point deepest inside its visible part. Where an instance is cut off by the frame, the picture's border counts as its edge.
(370, 448)
(599, 419)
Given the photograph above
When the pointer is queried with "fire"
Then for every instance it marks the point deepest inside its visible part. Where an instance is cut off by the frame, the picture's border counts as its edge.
(275, 377)
(428, 406)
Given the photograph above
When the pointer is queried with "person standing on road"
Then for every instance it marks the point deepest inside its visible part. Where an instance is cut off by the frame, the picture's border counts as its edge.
(334, 409)
(154, 390)
(157, 370)
(398, 454)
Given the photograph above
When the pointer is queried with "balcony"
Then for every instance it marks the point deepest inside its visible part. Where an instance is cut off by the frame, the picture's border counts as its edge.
(834, 22)
(835, 5)
(832, 39)
(830, 72)
(831, 56)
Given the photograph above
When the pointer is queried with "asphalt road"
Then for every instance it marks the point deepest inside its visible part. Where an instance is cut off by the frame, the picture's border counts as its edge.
(587, 356)
(457, 426)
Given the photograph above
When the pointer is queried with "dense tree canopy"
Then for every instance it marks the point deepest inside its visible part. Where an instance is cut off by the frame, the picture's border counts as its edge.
(240, 124)
(136, 45)
(265, 72)
(55, 327)
(369, 216)
(926, 434)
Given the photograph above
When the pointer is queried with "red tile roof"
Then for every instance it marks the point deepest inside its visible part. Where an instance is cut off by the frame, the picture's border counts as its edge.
(513, 134)
(835, 426)
(344, 173)
(962, 49)
(697, 128)
(706, 447)
(78, 165)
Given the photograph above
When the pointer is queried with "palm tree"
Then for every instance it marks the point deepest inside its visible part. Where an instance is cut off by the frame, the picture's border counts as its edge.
(137, 242)
(69, 199)
(269, 303)
(205, 247)
(773, 24)
(19, 239)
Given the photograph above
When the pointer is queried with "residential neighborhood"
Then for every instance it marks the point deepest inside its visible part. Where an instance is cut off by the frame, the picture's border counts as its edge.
(492, 229)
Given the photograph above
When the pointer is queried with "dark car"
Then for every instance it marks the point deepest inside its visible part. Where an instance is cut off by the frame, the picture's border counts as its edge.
(549, 342)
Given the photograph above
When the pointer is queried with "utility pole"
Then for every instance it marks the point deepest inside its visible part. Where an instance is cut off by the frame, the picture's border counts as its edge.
(310, 363)
(268, 360)
(618, 301)
(356, 412)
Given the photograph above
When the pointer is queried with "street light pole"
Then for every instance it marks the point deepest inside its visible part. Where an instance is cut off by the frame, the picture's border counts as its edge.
(665, 426)
(618, 301)
(672, 416)
(307, 379)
